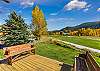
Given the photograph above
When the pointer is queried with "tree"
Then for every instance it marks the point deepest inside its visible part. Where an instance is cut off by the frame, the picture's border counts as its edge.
(15, 29)
(39, 22)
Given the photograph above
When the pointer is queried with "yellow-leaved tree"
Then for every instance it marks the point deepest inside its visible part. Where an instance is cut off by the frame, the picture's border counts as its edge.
(39, 22)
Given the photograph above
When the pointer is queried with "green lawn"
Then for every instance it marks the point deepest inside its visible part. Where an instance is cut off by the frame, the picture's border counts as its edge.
(56, 52)
(81, 41)
(1, 54)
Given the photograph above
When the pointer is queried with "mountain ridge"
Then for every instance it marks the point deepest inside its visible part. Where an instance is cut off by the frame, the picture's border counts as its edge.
(92, 25)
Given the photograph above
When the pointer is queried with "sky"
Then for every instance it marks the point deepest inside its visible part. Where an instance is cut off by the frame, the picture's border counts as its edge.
(58, 13)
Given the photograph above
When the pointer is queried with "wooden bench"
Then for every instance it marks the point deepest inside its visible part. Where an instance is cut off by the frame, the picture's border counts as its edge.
(13, 52)
(86, 62)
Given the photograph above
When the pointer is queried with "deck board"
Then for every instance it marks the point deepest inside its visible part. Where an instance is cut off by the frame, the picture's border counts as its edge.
(1, 69)
(45, 64)
(33, 63)
(12, 68)
(17, 67)
(30, 66)
(38, 64)
(5, 68)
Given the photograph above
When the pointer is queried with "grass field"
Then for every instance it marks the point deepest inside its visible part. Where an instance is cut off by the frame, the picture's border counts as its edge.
(81, 41)
(1, 54)
(59, 53)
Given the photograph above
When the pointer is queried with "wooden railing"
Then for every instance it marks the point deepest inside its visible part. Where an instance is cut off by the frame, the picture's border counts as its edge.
(85, 62)
(92, 65)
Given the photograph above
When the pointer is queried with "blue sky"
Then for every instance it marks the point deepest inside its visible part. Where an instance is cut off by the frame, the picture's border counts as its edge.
(58, 13)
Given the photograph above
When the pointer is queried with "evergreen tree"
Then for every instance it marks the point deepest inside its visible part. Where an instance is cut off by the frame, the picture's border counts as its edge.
(15, 30)
(39, 22)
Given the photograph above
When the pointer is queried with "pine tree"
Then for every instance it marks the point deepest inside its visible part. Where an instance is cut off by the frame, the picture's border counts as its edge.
(15, 30)
(39, 22)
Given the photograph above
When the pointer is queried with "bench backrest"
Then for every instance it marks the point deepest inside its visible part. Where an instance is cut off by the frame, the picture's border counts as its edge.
(88, 64)
(17, 48)
(92, 64)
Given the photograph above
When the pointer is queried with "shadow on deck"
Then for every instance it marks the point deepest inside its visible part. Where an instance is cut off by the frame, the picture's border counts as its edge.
(66, 67)
(35, 63)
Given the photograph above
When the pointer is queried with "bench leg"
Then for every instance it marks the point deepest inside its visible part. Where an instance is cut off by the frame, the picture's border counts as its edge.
(32, 51)
(10, 60)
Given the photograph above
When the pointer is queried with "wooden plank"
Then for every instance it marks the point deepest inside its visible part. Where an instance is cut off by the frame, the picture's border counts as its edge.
(34, 63)
(46, 62)
(1, 69)
(31, 67)
(19, 67)
(22, 66)
(4, 67)
(39, 66)
(19, 52)
(55, 67)
(12, 68)
(43, 65)
(26, 66)
(52, 66)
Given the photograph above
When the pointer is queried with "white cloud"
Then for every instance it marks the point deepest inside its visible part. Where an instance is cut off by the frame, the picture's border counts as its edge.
(53, 14)
(76, 4)
(27, 3)
(98, 9)
(85, 10)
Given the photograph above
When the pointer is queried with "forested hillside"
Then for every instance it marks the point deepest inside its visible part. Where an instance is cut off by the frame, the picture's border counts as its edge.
(92, 25)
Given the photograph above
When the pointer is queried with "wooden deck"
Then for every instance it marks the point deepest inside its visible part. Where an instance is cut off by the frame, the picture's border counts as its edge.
(33, 63)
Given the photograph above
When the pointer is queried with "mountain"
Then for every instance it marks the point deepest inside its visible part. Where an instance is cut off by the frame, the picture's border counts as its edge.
(92, 25)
